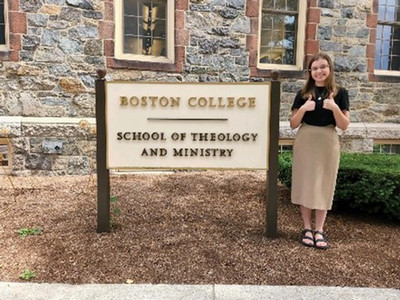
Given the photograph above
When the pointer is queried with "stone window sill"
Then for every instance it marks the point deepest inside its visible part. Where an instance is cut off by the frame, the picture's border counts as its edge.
(384, 78)
(256, 72)
(142, 65)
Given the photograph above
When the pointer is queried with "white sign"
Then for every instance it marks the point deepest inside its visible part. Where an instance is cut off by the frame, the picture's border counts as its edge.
(187, 125)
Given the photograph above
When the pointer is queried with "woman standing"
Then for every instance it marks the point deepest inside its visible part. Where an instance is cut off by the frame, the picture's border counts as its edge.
(318, 108)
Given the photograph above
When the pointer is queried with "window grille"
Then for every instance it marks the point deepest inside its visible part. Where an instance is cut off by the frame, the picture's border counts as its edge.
(282, 33)
(2, 23)
(145, 30)
(387, 47)
(387, 146)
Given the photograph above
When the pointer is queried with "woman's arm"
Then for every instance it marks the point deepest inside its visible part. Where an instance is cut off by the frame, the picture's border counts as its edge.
(295, 119)
(342, 117)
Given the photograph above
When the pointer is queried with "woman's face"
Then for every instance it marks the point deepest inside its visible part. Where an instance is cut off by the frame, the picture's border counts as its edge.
(320, 71)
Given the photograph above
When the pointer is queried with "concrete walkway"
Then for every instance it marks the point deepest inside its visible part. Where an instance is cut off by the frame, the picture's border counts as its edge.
(45, 291)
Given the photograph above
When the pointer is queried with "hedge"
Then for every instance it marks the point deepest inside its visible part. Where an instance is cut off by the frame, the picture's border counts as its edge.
(367, 183)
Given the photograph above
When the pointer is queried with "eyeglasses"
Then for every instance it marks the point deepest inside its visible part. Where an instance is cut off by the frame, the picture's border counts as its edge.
(315, 69)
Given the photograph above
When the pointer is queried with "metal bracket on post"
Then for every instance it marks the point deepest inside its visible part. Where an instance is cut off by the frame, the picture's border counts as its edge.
(103, 174)
(272, 173)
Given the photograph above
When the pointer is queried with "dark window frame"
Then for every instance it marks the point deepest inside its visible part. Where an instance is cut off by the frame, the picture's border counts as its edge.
(3, 25)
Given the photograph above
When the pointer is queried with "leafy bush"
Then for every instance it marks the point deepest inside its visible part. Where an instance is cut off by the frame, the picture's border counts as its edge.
(369, 183)
(285, 168)
(366, 183)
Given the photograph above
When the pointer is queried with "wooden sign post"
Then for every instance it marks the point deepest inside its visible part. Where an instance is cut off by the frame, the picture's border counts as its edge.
(103, 174)
(271, 200)
(143, 125)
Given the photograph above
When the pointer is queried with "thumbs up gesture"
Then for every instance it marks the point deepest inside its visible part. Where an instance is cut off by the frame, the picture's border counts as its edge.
(309, 105)
(329, 103)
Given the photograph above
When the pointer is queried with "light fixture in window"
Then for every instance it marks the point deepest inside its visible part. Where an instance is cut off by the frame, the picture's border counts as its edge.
(145, 30)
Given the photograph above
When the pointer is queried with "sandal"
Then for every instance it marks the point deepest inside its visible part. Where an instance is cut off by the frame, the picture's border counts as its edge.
(305, 237)
(321, 240)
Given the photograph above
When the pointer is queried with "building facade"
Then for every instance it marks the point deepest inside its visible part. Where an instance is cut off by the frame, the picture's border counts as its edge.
(50, 51)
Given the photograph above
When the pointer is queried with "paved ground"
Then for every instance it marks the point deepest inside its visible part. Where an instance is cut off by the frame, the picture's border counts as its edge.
(36, 291)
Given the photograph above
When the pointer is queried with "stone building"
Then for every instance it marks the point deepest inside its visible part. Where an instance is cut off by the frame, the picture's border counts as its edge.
(50, 51)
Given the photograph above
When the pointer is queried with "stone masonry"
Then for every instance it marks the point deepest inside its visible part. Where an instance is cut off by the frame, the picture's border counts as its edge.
(47, 78)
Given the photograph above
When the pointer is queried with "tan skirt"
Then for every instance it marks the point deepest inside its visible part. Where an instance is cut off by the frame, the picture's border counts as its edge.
(316, 155)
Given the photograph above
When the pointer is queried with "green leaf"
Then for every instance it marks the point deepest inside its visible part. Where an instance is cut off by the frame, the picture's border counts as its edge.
(29, 231)
(27, 275)
(113, 198)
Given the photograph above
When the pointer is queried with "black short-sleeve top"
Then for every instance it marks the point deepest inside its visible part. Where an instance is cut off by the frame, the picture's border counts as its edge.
(321, 116)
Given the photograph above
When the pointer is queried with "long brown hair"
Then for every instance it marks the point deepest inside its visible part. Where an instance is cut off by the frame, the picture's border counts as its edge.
(330, 83)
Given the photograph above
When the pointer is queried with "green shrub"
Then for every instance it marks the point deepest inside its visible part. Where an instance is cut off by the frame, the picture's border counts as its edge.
(370, 184)
(366, 183)
(285, 168)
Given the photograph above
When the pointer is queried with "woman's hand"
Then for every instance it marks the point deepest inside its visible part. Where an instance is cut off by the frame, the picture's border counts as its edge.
(342, 117)
(329, 103)
(309, 105)
(297, 114)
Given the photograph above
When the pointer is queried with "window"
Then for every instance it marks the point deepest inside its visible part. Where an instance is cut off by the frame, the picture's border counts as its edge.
(3, 25)
(387, 48)
(285, 146)
(145, 30)
(387, 146)
(282, 33)
(5, 160)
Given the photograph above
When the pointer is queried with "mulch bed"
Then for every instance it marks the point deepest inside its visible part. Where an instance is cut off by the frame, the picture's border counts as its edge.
(204, 227)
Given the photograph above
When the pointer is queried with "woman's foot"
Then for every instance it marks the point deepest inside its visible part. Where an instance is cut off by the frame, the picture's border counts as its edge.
(307, 238)
(320, 240)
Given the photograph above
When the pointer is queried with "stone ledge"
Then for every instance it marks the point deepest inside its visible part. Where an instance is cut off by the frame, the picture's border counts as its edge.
(389, 131)
(27, 127)
(359, 137)
(17, 126)
(68, 127)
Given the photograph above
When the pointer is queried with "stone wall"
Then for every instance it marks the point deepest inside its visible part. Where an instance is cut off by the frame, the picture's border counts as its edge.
(50, 146)
(343, 31)
(67, 146)
(62, 46)
(59, 52)
(57, 46)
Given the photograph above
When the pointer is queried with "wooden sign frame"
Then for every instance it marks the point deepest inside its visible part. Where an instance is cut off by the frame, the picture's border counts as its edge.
(103, 175)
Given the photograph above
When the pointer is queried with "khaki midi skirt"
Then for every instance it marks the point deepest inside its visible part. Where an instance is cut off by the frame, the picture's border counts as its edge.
(316, 155)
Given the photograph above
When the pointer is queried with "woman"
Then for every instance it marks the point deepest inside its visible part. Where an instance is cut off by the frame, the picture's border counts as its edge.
(318, 108)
